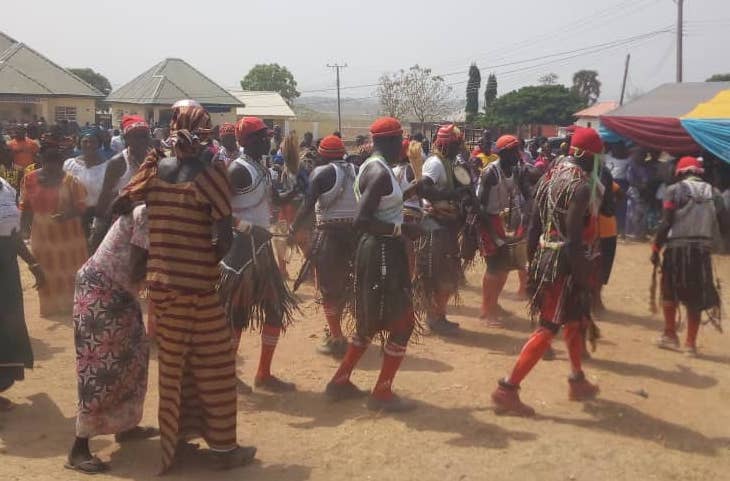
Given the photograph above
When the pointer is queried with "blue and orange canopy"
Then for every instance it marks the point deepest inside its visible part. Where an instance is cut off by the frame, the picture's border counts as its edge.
(677, 118)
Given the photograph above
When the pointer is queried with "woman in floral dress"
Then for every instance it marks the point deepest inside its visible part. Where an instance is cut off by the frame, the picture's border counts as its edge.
(112, 350)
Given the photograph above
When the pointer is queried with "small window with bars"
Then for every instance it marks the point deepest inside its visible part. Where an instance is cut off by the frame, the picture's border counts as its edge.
(65, 113)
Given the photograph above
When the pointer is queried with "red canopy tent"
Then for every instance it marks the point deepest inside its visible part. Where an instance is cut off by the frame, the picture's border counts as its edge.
(653, 120)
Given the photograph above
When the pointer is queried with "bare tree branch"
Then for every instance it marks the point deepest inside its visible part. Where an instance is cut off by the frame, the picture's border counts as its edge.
(427, 95)
(392, 96)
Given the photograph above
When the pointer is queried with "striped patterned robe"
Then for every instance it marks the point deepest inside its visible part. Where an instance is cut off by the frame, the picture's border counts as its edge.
(197, 383)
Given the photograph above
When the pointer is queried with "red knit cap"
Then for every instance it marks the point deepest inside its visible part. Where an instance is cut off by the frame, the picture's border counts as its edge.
(226, 128)
(586, 140)
(448, 134)
(689, 164)
(247, 126)
(507, 142)
(386, 127)
(332, 148)
(133, 122)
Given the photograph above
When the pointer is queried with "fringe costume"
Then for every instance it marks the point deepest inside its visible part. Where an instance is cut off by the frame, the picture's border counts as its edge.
(438, 252)
(687, 274)
(251, 286)
(687, 277)
(382, 288)
(333, 253)
(555, 298)
(438, 266)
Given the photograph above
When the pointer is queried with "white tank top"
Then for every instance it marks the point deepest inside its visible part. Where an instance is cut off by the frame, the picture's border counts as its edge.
(338, 203)
(400, 172)
(127, 176)
(390, 208)
(252, 204)
(503, 195)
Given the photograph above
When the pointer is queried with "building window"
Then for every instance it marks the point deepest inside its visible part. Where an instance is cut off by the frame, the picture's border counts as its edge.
(66, 113)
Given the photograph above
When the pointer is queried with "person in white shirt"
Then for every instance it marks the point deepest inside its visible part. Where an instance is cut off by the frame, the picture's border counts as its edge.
(438, 263)
(117, 141)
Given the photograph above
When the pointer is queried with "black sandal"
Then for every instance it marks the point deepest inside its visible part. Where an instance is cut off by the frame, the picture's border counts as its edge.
(88, 466)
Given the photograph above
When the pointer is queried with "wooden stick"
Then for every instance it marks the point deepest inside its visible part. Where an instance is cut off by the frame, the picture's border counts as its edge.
(653, 308)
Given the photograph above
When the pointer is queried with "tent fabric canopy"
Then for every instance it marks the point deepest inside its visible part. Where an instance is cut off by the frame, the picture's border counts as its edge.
(680, 118)
(712, 135)
(655, 133)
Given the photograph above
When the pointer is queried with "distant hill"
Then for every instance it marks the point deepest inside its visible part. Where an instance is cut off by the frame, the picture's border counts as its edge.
(310, 106)
(316, 108)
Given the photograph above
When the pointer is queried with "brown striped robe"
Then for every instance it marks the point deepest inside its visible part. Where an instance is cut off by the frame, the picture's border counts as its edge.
(196, 360)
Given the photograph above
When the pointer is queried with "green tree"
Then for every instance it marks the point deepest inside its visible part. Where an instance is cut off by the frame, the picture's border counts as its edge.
(587, 86)
(472, 92)
(490, 92)
(95, 79)
(271, 77)
(541, 104)
(719, 77)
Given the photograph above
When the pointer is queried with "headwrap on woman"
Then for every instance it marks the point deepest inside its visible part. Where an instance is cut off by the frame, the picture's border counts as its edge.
(191, 116)
(190, 126)
(91, 131)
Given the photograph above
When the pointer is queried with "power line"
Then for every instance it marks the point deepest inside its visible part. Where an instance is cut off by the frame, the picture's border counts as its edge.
(517, 62)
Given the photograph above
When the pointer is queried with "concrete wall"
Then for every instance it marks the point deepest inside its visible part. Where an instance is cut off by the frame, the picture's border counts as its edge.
(351, 128)
(85, 108)
(46, 107)
(591, 122)
(154, 113)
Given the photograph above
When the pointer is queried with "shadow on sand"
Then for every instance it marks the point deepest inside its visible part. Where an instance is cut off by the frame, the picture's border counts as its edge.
(682, 376)
(461, 422)
(624, 420)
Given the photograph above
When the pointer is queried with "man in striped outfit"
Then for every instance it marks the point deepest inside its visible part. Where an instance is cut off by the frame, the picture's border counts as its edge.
(187, 199)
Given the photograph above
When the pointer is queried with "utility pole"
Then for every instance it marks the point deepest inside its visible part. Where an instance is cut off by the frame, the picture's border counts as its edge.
(680, 31)
(337, 68)
(626, 74)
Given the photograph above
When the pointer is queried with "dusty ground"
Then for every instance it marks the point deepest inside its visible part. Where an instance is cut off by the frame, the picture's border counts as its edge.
(681, 431)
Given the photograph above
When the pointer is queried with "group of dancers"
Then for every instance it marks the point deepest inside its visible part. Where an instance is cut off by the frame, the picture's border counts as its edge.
(390, 237)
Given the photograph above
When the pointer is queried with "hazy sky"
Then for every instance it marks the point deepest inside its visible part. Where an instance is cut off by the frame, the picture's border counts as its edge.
(225, 38)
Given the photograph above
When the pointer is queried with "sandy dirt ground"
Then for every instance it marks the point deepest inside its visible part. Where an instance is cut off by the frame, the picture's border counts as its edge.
(680, 431)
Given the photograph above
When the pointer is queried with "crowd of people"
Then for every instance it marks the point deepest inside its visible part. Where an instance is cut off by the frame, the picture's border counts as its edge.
(200, 222)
